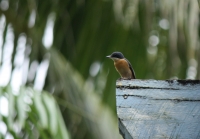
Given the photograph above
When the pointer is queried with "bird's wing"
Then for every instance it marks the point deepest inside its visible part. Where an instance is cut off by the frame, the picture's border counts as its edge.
(130, 66)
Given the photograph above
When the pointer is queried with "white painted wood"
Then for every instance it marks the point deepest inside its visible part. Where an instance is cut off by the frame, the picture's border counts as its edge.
(152, 109)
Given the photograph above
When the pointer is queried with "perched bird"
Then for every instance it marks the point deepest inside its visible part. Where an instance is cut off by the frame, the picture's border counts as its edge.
(122, 65)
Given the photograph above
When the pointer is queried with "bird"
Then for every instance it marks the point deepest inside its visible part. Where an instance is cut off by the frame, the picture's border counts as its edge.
(122, 65)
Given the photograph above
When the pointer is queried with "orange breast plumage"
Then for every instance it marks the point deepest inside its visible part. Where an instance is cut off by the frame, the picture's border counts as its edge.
(122, 67)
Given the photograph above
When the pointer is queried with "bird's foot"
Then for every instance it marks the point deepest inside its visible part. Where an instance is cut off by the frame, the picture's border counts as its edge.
(123, 79)
(127, 78)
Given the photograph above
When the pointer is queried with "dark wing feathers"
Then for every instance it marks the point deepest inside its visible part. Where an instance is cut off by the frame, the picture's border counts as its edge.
(130, 66)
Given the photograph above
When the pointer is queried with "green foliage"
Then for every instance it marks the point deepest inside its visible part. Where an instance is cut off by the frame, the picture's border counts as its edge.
(82, 109)
(31, 114)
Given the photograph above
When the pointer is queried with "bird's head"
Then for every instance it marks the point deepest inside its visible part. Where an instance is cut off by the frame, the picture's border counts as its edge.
(116, 56)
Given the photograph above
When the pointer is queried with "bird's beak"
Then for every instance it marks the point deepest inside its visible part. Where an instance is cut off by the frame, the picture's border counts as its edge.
(108, 56)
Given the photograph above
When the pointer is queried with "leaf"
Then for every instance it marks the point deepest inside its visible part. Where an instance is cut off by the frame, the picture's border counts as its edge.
(49, 103)
(11, 106)
(21, 108)
(41, 111)
(62, 132)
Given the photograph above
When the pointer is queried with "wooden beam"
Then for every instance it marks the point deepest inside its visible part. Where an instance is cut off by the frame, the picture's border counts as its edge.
(158, 109)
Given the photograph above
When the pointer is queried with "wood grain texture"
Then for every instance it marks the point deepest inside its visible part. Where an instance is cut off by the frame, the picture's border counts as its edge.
(151, 109)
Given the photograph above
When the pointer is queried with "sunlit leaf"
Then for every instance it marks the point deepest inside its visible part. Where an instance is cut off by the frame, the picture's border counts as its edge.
(53, 118)
(41, 111)
(11, 108)
(21, 108)
(61, 128)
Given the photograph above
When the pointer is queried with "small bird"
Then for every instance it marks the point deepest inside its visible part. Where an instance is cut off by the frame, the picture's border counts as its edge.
(122, 65)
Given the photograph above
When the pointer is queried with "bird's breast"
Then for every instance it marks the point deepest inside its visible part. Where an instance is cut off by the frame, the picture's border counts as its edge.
(122, 67)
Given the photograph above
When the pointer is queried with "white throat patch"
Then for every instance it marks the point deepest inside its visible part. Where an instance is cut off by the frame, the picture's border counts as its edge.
(114, 58)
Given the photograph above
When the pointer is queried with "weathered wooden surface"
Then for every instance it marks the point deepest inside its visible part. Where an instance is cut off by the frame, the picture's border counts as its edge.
(151, 109)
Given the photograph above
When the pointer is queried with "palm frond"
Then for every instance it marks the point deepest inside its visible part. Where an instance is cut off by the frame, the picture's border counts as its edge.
(30, 114)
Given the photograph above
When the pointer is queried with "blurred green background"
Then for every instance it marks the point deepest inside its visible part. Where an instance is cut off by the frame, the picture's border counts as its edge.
(61, 47)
